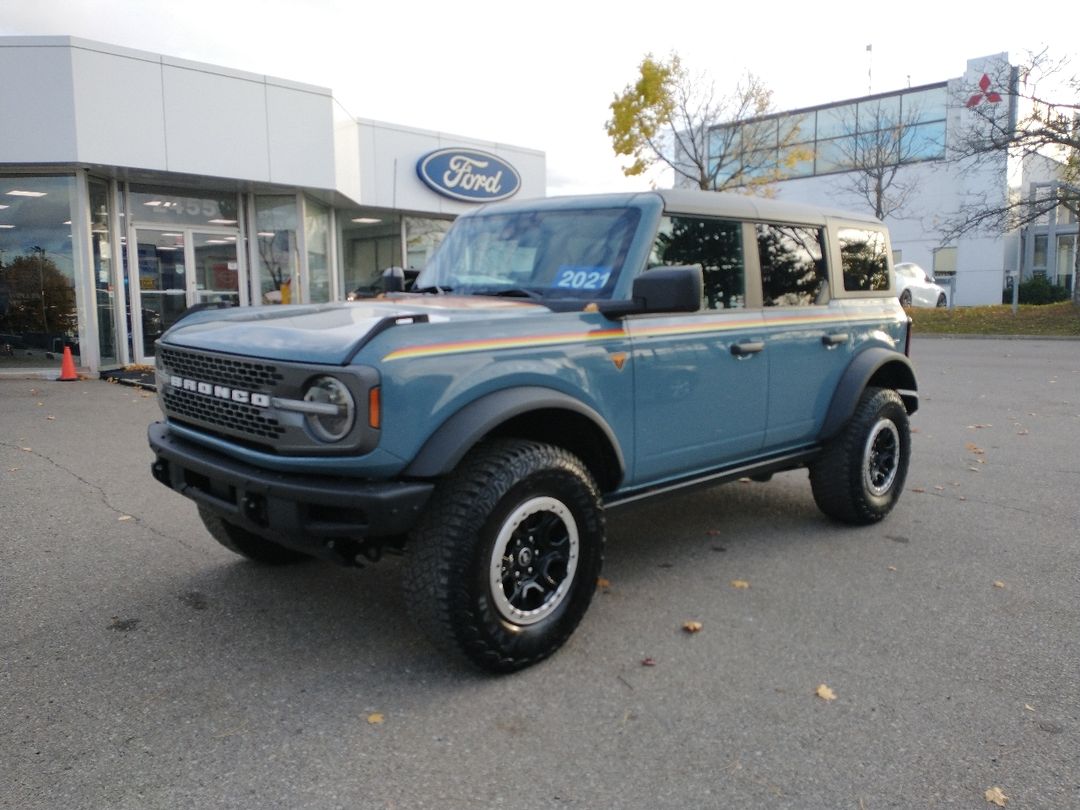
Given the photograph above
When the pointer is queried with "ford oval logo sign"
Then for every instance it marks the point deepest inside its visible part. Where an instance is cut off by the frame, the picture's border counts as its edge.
(469, 175)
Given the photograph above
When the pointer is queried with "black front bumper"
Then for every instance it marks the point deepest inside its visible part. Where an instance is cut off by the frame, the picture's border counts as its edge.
(300, 511)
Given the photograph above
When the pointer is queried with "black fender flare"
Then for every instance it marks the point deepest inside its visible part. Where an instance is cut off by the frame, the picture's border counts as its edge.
(893, 369)
(457, 435)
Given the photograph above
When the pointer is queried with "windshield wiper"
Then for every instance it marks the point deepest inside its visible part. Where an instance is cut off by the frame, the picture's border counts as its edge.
(433, 290)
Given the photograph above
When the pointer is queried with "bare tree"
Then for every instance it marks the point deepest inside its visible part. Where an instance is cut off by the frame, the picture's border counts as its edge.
(711, 141)
(877, 151)
(1028, 113)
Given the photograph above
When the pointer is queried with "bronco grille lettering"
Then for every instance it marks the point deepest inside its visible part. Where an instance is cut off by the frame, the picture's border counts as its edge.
(220, 391)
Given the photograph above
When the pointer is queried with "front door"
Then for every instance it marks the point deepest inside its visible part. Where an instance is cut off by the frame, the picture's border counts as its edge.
(178, 269)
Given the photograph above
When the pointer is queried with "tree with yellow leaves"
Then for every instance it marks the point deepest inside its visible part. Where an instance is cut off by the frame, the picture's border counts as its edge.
(713, 142)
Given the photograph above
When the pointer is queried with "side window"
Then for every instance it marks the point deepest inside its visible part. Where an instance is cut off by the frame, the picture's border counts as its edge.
(793, 272)
(715, 245)
(862, 253)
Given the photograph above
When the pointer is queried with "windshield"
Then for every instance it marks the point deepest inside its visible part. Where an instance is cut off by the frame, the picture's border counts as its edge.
(548, 254)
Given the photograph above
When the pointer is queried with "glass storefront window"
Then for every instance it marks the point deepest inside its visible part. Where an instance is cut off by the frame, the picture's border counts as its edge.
(422, 236)
(1040, 249)
(108, 302)
(159, 206)
(370, 241)
(1066, 261)
(276, 251)
(317, 239)
(37, 278)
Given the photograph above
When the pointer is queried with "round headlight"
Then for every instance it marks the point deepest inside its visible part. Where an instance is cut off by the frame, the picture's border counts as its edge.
(334, 409)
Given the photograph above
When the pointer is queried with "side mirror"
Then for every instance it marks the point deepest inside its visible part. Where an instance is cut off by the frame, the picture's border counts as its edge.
(393, 279)
(662, 289)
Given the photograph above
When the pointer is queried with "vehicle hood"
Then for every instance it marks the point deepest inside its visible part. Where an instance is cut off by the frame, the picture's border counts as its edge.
(327, 333)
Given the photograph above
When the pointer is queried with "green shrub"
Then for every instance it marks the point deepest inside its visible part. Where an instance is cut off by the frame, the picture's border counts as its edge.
(1038, 290)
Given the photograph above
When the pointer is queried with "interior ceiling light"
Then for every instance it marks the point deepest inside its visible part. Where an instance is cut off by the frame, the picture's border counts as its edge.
(153, 203)
(267, 233)
(222, 221)
(7, 227)
(216, 242)
(5, 206)
(366, 220)
(20, 193)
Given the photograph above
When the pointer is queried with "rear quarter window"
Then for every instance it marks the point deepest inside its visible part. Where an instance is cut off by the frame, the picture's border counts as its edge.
(864, 259)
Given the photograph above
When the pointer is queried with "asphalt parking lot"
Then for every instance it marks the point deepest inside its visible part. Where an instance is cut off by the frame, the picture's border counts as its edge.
(144, 666)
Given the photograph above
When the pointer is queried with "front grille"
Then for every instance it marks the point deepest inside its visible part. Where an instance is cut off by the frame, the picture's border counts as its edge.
(236, 418)
(221, 370)
(233, 397)
(222, 413)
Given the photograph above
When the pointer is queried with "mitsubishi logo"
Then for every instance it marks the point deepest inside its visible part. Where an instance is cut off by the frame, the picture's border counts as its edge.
(991, 97)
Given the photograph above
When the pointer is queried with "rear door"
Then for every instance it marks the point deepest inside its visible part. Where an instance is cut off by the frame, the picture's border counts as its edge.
(807, 338)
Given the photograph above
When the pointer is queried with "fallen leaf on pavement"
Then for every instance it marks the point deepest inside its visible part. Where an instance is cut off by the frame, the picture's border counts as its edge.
(825, 693)
(917, 489)
(648, 662)
(998, 583)
(994, 795)
(740, 584)
(892, 567)
(125, 517)
(601, 582)
(1029, 707)
(376, 719)
(692, 627)
(974, 448)
(51, 418)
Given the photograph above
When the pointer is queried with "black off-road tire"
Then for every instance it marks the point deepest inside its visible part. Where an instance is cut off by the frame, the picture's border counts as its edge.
(860, 474)
(247, 544)
(942, 301)
(504, 562)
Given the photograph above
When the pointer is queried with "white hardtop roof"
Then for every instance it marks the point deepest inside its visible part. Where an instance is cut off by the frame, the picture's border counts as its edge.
(743, 206)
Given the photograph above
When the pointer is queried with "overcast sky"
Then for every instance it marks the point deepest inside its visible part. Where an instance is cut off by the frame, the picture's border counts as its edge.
(542, 74)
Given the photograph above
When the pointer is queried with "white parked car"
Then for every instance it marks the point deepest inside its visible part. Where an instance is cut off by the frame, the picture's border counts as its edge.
(917, 288)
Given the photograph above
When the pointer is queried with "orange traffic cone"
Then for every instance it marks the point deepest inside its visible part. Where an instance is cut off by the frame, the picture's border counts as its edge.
(67, 367)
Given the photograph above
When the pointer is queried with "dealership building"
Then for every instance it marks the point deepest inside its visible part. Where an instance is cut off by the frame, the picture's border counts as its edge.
(820, 155)
(134, 186)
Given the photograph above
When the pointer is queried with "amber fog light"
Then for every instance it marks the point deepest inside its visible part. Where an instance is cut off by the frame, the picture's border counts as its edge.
(332, 409)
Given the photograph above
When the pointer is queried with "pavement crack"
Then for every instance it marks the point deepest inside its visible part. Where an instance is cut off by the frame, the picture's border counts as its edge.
(103, 496)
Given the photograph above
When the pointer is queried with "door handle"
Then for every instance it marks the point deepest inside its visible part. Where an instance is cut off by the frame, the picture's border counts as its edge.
(746, 349)
(835, 340)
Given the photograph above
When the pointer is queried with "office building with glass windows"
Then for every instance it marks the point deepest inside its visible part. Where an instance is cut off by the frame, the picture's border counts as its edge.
(134, 186)
(890, 154)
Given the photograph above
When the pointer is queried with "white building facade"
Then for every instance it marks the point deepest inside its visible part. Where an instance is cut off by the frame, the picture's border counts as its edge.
(134, 186)
(819, 152)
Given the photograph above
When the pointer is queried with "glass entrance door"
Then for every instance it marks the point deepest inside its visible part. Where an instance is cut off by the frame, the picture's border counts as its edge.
(160, 296)
(178, 269)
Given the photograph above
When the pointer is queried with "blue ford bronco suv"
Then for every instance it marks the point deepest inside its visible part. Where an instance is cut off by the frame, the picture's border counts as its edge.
(557, 358)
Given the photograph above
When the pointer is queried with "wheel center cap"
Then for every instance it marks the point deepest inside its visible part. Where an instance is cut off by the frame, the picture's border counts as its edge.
(525, 557)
